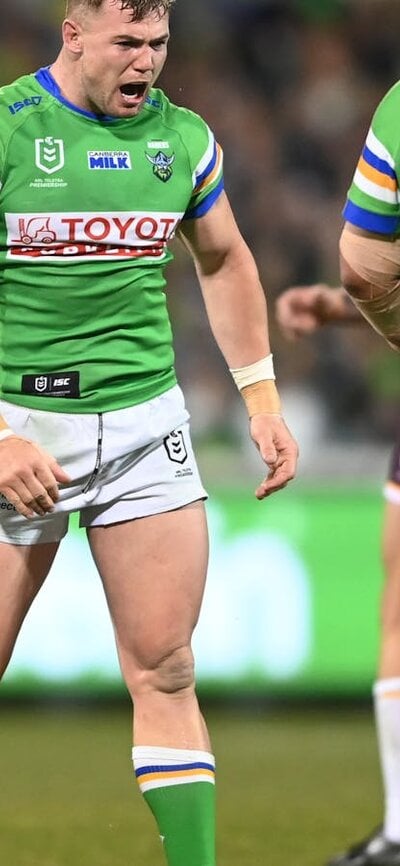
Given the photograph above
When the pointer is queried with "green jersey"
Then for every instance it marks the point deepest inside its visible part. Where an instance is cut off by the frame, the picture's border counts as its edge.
(373, 201)
(87, 208)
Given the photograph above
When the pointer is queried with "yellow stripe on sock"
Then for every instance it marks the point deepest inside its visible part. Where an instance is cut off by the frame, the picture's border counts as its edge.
(147, 777)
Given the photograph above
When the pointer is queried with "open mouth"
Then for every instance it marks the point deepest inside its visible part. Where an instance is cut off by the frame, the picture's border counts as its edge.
(133, 90)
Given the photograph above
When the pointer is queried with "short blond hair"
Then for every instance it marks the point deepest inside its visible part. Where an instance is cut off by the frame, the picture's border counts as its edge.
(139, 8)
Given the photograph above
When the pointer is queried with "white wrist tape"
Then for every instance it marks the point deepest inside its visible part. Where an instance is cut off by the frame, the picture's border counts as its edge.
(5, 432)
(257, 372)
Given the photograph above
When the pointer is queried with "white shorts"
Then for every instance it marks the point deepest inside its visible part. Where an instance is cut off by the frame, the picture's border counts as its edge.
(124, 464)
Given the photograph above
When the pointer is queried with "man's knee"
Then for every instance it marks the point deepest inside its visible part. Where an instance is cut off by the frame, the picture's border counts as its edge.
(171, 673)
(175, 672)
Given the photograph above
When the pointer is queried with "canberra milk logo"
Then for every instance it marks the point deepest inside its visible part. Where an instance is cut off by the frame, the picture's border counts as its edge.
(116, 160)
(49, 154)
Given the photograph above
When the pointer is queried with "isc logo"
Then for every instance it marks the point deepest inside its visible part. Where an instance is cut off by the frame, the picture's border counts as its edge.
(62, 383)
(19, 106)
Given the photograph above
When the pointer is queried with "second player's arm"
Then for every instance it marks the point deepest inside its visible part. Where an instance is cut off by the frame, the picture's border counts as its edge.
(237, 312)
(370, 273)
(302, 310)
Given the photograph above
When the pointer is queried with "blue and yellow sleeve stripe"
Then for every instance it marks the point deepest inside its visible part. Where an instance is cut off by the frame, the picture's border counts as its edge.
(373, 199)
(208, 181)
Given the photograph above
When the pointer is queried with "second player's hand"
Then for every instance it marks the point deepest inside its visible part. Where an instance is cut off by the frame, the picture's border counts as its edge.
(301, 310)
(278, 449)
(29, 476)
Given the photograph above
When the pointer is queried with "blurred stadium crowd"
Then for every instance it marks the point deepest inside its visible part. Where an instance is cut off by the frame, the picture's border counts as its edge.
(289, 87)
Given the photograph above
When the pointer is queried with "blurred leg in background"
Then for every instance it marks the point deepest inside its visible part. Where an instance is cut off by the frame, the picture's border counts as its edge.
(382, 846)
(300, 311)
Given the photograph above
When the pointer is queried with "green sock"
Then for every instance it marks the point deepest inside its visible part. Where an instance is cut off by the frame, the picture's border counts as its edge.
(178, 785)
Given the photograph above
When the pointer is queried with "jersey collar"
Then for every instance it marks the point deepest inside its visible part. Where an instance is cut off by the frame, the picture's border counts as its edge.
(45, 79)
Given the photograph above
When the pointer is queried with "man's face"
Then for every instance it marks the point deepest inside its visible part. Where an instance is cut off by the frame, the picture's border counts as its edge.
(119, 60)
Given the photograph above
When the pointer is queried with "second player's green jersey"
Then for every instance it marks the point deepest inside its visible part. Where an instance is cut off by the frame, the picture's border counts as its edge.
(373, 201)
(87, 208)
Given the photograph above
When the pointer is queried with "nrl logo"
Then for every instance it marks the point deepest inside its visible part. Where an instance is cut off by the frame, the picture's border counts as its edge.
(49, 154)
(161, 165)
(40, 383)
(175, 447)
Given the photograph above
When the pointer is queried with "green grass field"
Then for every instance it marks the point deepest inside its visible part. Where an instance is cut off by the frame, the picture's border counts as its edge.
(293, 786)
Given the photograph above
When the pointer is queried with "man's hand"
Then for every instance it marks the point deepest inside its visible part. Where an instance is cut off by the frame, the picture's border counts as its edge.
(29, 476)
(301, 310)
(278, 449)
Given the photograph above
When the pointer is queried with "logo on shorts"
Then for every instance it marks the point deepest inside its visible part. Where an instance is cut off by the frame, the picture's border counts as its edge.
(5, 505)
(175, 447)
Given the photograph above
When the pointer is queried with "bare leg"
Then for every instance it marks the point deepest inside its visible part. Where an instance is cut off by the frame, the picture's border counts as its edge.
(387, 687)
(23, 570)
(153, 570)
(389, 663)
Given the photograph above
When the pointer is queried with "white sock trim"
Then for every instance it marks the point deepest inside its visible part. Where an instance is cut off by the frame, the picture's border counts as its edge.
(141, 755)
(381, 687)
(157, 767)
(387, 718)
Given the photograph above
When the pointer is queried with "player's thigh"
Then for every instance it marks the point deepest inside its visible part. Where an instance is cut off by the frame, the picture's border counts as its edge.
(391, 541)
(390, 606)
(153, 570)
(23, 569)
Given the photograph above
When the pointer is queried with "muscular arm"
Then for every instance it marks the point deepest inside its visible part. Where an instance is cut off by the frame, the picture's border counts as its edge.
(231, 288)
(354, 284)
(370, 272)
(237, 312)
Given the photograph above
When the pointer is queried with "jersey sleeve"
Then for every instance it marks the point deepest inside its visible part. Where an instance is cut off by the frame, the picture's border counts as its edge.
(207, 178)
(373, 200)
(3, 134)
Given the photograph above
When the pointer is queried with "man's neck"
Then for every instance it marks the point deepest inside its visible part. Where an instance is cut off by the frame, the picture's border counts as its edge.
(64, 74)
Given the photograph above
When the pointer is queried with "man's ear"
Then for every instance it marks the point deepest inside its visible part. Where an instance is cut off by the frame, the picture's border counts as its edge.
(72, 36)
